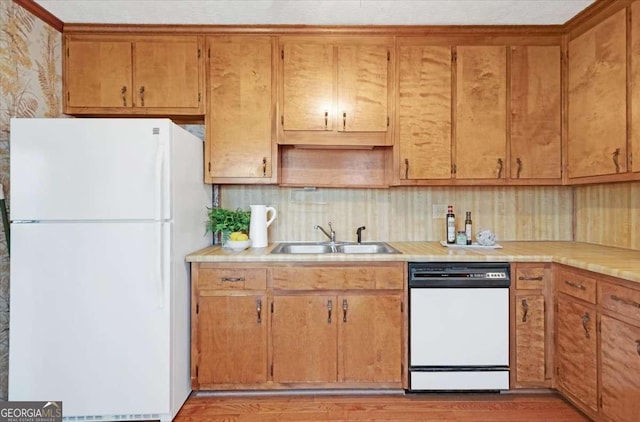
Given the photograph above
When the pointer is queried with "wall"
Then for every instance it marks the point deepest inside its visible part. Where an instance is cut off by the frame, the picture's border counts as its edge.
(30, 86)
(608, 214)
(513, 213)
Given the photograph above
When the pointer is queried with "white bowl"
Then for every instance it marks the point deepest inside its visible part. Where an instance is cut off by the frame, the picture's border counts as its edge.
(238, 245)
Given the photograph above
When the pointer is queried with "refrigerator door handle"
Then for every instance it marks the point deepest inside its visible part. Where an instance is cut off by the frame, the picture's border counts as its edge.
(158, 173)
(159, 271)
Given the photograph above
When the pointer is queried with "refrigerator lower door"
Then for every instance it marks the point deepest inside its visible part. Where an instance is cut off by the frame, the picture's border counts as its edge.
(90, 319)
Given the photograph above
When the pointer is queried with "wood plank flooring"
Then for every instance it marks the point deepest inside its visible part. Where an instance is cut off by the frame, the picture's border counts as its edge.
(387, 408)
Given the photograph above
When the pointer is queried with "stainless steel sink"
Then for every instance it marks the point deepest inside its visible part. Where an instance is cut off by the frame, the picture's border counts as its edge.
(344, 248)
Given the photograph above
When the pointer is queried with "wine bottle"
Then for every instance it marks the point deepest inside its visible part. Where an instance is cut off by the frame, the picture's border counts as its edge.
(451, 225)
(468, 228)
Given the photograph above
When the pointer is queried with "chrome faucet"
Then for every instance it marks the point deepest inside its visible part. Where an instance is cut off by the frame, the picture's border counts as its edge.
(331, 235)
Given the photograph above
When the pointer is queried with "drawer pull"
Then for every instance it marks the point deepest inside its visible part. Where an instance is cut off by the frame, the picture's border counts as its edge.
(523, 278)
(625, 301)
(525, 310)
(585, 324)
(329, 309)
(259, 310)
(575, 285)
(232, 279)
(345, 306)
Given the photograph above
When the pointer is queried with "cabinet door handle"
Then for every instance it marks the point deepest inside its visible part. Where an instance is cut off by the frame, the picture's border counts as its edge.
(499, 168)
(259, 310)
(575, 285)
(326, 120)
(638, 347)
(123, 94)
(329, 309)
(519, 163)
(232, 279)
(344, 121)
(523, 278)
(525, 310)
(625, 301)
(585, 324)
(141, 91)
(406, 168)
(616, 156)
(345, 306)
(264, 166)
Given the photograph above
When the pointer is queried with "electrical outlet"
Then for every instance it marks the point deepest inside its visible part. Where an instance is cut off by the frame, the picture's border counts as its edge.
(438, 211)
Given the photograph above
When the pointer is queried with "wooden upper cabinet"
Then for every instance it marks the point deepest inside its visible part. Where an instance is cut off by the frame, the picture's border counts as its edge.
(119, 74)
(597, 121)
(634, 80)
(480, 115)
(335, 91)
(423, 112)
(535, 113)
(240, 116)
(98, 74)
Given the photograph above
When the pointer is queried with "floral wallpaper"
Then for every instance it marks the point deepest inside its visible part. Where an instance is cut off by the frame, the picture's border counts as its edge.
(30, 86)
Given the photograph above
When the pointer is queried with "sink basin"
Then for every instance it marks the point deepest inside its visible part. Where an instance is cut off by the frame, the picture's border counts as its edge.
(345, 248)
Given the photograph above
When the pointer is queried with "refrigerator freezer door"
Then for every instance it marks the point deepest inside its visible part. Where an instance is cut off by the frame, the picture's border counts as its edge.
(87, 326)
(89, 169)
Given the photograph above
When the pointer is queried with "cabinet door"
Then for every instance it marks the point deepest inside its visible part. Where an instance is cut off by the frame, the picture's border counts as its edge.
(308, 84)
(424, 112)
(634, 80)
(370, 338)
(304, 338)
(620, 363)
(167, 73)
(597, 100)
(98, 74)
(241, 101)
(576, 350)
(530, 339)
(535, 112)
(481, 136)
(362, 88)
(232, 337)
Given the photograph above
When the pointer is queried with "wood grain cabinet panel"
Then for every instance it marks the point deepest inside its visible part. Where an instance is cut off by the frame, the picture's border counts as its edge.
(535, 113)
(530, 339)
(576, 353)
(127, 75)
(240, 119)
(634, 81)
(597, 123)
(481, 96)
(232, 340)
(424, 112)
(304, 338)
(370, 338)
(620, 369)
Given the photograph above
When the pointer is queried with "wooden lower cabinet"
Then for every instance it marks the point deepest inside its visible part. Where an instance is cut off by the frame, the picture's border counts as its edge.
(530, 340)
(232, 336)
(576, 350)
(620, 369)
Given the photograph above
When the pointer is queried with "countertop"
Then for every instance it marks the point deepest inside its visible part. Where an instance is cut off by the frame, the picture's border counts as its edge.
(616, 262)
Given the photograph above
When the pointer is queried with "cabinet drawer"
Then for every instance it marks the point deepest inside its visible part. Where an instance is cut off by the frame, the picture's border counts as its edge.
(530, 276)
(619, 299)
(577, 285)
(338, 278)
(232, 278)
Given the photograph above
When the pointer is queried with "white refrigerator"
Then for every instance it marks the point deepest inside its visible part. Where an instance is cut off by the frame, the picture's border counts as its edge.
(103, 212)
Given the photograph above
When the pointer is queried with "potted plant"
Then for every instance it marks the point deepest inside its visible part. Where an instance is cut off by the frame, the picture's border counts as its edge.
(226, 221)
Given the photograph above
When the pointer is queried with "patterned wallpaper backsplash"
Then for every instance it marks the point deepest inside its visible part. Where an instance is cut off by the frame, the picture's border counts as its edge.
(513, 213)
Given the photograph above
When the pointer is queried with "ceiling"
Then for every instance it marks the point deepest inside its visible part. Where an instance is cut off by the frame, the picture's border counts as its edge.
(316, 12)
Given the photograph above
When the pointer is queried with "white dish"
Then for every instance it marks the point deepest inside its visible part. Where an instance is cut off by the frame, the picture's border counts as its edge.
(238, 245)
(474, 245)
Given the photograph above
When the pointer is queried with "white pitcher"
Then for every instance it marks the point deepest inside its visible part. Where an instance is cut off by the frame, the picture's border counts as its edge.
(259, 223)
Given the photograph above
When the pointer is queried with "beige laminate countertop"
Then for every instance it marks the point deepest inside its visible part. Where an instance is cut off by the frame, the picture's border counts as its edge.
(616, 262)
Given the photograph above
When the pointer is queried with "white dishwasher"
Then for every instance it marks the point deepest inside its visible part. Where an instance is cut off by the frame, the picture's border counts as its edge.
(458, 326)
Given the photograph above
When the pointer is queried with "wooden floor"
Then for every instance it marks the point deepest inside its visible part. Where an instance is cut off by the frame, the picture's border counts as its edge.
(388, 408)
